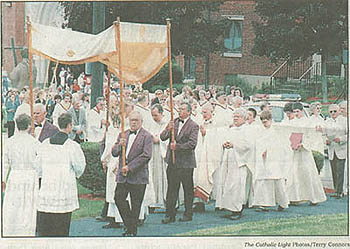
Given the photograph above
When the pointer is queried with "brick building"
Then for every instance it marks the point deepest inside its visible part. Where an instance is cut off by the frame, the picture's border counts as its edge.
(13, 23)
(237, 60)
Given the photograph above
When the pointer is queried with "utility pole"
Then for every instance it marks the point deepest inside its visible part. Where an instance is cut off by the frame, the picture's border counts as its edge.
(98, 25)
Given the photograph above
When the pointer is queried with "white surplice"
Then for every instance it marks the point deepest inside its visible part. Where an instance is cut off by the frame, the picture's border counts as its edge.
(223, 116)
(22, 185)
(61, 165)
(95, 131)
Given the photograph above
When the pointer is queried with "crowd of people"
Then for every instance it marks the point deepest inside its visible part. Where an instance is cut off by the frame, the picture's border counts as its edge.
(215, 147)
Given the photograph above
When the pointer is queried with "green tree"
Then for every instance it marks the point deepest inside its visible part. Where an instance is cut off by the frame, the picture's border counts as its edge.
(299, 28)
(192, 33)
(293, 29)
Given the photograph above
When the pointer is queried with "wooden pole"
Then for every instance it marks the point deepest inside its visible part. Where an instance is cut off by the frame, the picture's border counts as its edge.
(171, 85)
(30, 58)
(118, 47)
(108, 97)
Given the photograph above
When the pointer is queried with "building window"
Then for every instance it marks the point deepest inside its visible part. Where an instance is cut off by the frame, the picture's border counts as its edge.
(190, 67)
(233, 37)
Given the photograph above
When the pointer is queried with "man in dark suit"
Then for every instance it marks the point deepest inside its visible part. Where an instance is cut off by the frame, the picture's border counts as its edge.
(186, 135)
(133, 177)
(43, 128)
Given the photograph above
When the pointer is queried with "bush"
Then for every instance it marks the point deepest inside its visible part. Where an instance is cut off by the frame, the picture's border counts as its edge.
(162, 77)
(93, 178)
(319, 158)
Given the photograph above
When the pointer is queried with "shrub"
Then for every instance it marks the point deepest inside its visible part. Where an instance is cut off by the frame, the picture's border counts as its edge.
(93, 178)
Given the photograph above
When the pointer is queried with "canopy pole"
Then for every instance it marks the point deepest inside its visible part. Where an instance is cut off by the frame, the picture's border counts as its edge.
(118, 47)
(171, 85)
(108, 97)
(46, 81)
(30, 58)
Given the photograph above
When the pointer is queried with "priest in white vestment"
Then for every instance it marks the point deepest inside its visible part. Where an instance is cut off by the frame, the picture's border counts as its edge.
(157, 165)
(62, 107)
(96, 122)
(235, 166)
(20, 176)
(270, 187)
(223, 115)
(304, 183)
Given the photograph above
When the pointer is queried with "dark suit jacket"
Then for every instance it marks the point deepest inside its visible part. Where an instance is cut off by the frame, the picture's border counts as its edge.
(137, 158)
(186, 142)
(47, 131)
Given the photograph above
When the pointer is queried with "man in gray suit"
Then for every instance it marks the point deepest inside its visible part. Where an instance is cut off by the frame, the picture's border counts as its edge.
(133, 177)
(180, 171)
(78, 133)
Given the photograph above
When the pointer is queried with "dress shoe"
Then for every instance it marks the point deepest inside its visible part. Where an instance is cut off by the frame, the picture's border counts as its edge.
(129, 233)
(219, 209)
(313, 204)
(262, 209)
(101, 218)
(236, 216)
(168, 220)
(112, 225)
(185, 218)
(199, 208)
(280, 209)
(334, 195)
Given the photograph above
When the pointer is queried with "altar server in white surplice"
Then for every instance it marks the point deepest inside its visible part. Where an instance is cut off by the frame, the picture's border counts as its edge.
(21, 184)
(208, 159)
(157, 165)
(62, 161)
(304, 183)
(270, 169)
(234, 168)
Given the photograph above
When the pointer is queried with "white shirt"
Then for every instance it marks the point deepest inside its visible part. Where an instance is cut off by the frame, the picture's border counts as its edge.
(131, 141)
(181, 125)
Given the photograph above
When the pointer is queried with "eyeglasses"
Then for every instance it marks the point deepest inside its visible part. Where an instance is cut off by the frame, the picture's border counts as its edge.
(333, 111)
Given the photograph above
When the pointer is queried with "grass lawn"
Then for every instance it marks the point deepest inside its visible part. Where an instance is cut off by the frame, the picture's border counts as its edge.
(335, 224)
(88, 208)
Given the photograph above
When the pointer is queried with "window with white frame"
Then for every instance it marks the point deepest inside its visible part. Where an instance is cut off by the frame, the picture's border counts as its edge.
(233, 37)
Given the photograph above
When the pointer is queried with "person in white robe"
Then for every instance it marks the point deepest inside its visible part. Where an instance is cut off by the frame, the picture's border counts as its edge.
(24, 108)
(270, 186)
(20, 176)
(235, 165)
(62, 162)
(62, 107)
(222, 112)
(288, 110)
(157, 164)
(142, 107)
(208, 159)
(110, 164)
(304, 183)
(343, 108)
(96, 122)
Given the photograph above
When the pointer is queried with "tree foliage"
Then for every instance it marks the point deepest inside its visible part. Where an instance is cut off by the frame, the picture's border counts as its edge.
(192, 32)
(299, 28)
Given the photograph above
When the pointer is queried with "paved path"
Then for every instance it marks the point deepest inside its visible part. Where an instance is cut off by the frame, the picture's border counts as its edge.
(211, 218)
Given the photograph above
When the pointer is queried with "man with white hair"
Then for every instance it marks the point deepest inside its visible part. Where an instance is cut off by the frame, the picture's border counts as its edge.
(336, 134)
(43, 128)
(208, 156)
(236, 166)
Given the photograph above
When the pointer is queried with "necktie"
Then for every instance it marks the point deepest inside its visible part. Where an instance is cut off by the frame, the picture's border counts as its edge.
(181, 121)
(38, 125)
(133, 132)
